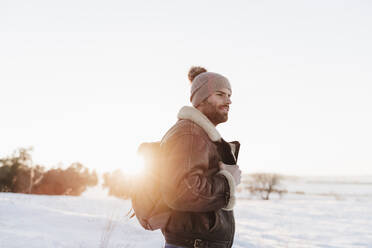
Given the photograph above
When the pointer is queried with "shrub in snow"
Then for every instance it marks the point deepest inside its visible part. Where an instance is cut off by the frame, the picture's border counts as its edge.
(264, 184)
(72, 181)
(17, 173)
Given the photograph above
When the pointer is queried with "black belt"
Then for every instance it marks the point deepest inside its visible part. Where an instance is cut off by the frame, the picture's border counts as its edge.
(197, 243)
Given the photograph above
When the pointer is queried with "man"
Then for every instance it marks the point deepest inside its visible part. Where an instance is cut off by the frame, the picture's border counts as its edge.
(199, 172)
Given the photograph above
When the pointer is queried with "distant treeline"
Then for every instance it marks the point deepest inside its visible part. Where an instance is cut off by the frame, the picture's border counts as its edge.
(19, 175)
(118, 184)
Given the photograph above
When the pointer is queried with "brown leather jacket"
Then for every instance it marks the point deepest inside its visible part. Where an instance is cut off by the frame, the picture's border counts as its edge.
(200, 195)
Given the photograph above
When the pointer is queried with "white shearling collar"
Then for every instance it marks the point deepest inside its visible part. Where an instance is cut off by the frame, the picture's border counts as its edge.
(193, 114)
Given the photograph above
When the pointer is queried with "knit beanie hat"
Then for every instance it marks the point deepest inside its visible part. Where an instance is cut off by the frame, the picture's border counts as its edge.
(204, 84)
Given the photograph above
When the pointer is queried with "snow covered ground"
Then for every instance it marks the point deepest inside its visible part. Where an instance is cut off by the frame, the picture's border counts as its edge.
(317, 212)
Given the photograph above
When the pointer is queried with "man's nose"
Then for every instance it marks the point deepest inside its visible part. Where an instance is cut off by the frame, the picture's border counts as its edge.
(229, 101)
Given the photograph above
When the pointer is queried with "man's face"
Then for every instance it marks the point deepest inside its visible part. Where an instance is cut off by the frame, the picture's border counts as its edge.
(216, 106)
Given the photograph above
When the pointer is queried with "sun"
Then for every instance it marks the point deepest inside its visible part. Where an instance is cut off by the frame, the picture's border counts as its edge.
(136, 166)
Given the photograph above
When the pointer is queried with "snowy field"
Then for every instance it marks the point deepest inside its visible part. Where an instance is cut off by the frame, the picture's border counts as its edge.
(316, 212)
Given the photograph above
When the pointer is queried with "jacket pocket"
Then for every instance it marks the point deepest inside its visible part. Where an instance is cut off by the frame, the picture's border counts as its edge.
(214, 221)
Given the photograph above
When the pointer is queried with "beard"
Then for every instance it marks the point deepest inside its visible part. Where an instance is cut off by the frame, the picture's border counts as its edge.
(215, 113)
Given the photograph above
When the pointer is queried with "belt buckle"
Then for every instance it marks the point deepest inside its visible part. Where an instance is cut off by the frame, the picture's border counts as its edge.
(197, 242)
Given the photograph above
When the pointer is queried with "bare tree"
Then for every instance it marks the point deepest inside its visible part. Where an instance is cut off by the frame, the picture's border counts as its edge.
(263, 184)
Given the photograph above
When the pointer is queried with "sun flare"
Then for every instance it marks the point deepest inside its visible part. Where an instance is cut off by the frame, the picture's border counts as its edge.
(136, 166)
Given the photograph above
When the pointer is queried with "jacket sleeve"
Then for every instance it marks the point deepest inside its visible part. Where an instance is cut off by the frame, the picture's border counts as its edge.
(185, 182)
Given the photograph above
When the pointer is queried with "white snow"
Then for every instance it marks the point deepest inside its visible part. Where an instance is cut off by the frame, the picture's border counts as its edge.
(327, 213)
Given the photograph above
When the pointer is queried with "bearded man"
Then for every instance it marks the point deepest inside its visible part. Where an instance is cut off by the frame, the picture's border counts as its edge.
(198, 171)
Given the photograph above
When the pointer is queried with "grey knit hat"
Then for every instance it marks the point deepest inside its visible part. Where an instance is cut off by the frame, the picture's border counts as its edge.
(205, 84)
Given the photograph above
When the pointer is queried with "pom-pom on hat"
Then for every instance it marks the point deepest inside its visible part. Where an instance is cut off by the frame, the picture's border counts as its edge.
(204, 84)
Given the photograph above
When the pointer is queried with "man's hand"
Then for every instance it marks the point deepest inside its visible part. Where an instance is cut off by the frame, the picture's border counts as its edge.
(233, 170)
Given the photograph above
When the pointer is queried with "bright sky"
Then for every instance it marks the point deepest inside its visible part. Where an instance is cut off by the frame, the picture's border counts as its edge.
(89, 81)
